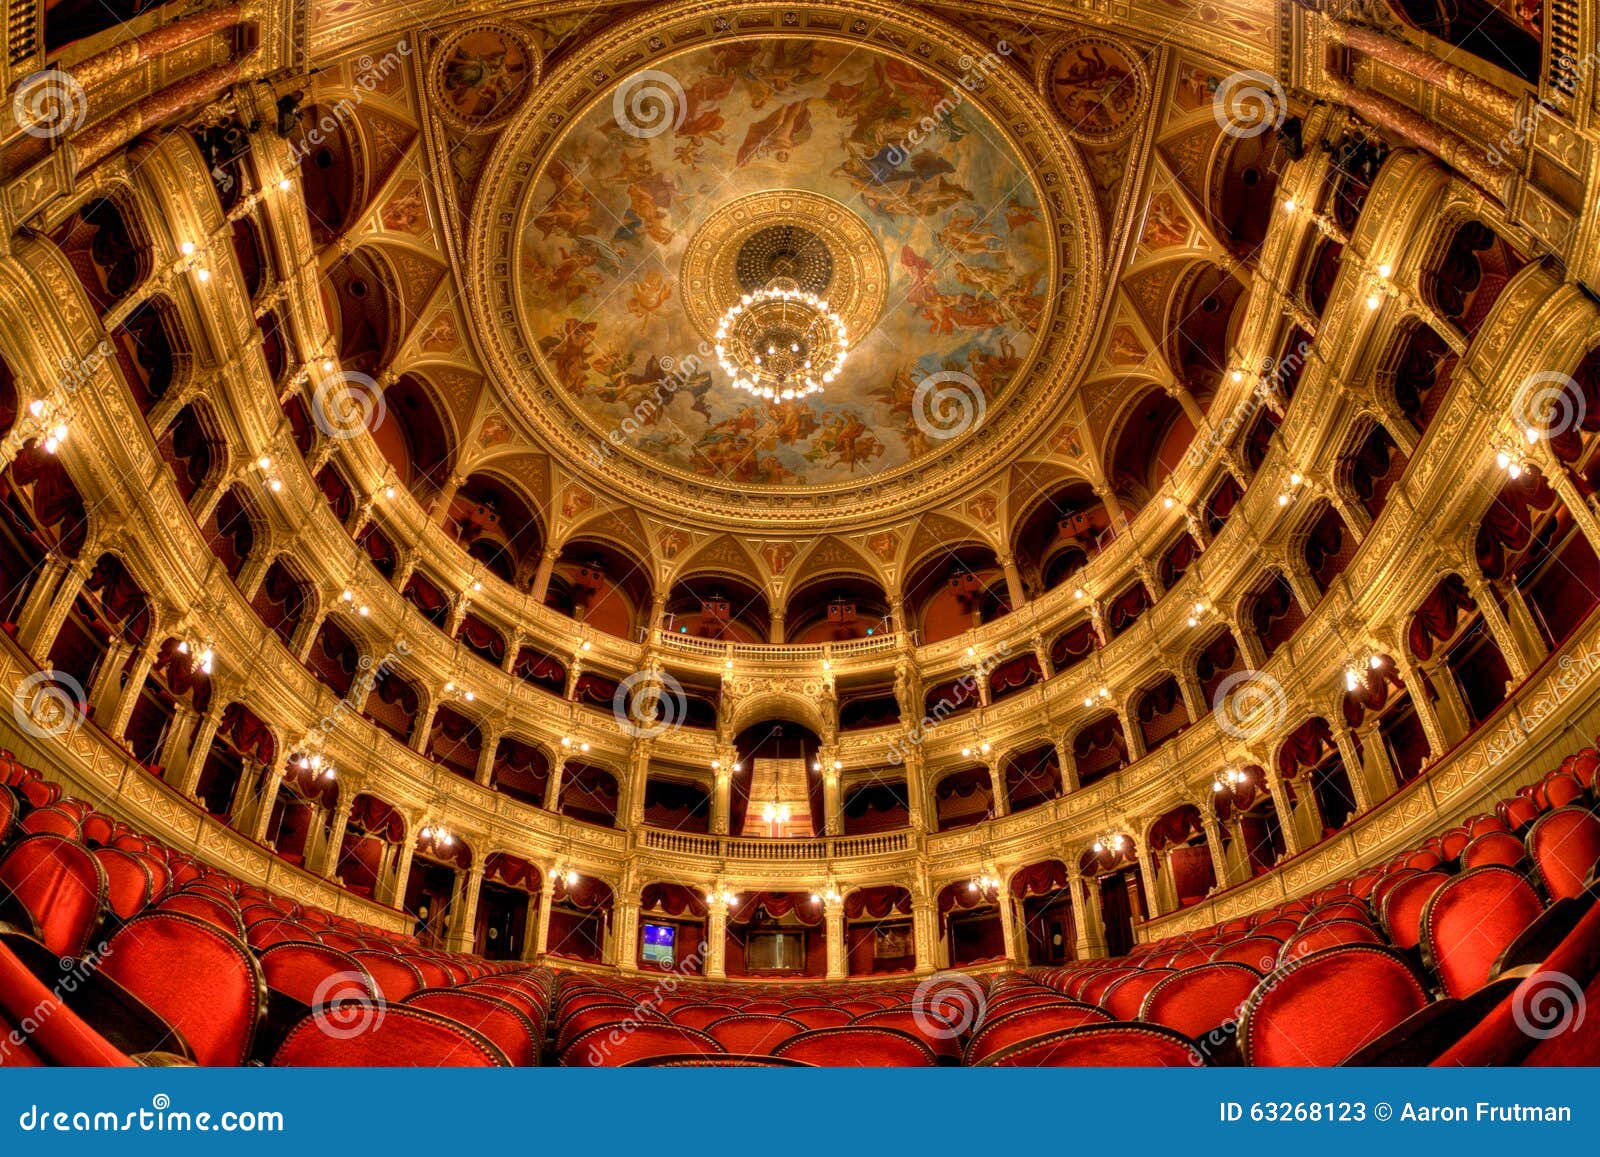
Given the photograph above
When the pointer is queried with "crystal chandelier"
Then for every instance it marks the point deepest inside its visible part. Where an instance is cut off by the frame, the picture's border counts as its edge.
(781, 342)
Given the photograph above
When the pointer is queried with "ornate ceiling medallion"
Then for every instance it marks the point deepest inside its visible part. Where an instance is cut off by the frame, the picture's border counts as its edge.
(1097, 86)
(814, 241)
(481, 76)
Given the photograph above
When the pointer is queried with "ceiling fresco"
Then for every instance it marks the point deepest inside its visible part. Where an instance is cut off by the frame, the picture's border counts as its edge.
(915, 167)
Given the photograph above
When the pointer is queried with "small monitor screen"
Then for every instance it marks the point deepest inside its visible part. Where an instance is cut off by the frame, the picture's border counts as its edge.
(659, 942)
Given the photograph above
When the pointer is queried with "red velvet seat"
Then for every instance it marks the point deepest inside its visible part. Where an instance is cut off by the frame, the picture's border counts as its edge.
(601, 1015)
(1518, 811)
(129, 885)
(401, 1038)
(1308, 1013)
(700, 1015)
(1469, 922)
(1102, 1046)
(1453, 843)
(8, 813)
(611, 1045)
(1124, 998)
(1257, 952)
(1557, 1001)
(1499, 847)
(1347, 909)
(200, 980)
(857, 1046)
(1279, 929)
(497, 1020)
(57, 887)
(49, 1031)
(205, 906)
(1200, 999)
(998, 1032)
(1561, 789)
(1403, 905)
(1330, 935)
(932, 1030)
(1564, 846)
(1095, 989)
(55, 820)
(315, 974)
(768, 1007)
(822, 1016)
(754, 1034)
(396, 978)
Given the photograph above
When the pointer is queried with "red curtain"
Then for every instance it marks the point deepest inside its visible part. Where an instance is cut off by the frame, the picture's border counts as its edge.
(776, 905)
(1044, 878)
(877, 902)
(673, 899)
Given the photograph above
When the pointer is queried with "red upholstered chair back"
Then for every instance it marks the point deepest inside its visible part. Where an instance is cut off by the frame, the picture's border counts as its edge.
(207, 906)
(1518, 811)
(434, 973)
(1200, 999)
(1402, 907)
(1584, 765)
(700, 1015)
(938, 1034)
(1564, 845)
(1330, 935)
(1493, 848)
(1307, 1012)
(129, 885)
(1279, 929)
(821, 1016)
(1199, 954)
(396, 978)
(49, 1030)
(265, 933)
(1560, 789)
(497, 1020)
(1389, 881)
(766, 1007)
(998, 1032)
(402, 1038)
(198, 978)
(1102, 1046)
(315, 974)
(754, 1034)
(1092, 992)
(1453, 843)
(60, 886)
(610, 1045)
(1344, 909)
(98, 830)
(1257, 952)
(55, 820)
(9, 809)
(1470, 920)
(1125, 998)
(864, 1046)
(601, 1015)
(522, 997)
(1015, 999)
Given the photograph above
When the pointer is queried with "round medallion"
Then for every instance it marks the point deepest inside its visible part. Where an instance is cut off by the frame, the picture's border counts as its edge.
(482, 75)
(1096, 86)
(809, 239)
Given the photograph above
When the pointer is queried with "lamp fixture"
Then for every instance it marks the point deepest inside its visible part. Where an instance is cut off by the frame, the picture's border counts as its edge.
(729, 898)
(437, 836)
(828, 895)
(781, 342)
(984, 882)
(51, 422)
(450, 688)
(1231, 779)
(569, 741)
(319, 767)
(1098, 696)
(1358, 670)
(980, 749)
(1110, 842)
(204, 654)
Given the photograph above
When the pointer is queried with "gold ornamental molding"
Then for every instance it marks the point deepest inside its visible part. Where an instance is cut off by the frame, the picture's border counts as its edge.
(1073, 286)
(850, 272)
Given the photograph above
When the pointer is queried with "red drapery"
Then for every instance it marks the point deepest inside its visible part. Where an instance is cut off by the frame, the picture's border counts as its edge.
(588, 893)
(1042, 879)
(1310, 741)
(776, 906)
(371, 815)
(877, 902)
(673, 899)
(483, 638)
(512, 871)
(1436, 619)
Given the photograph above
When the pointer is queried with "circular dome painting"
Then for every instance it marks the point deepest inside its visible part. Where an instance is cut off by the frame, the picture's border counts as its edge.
(855, 172)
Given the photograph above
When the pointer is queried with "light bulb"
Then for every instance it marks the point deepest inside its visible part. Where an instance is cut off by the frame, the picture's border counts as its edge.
(186, 248)
(1384, 270)
(283, 185)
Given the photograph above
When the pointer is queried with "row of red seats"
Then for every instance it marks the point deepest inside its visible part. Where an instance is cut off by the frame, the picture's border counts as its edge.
(116, 949)
(1425, 959)
(605, 1022)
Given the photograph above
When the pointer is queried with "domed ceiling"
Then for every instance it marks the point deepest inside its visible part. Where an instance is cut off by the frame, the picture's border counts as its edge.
(661, 204)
